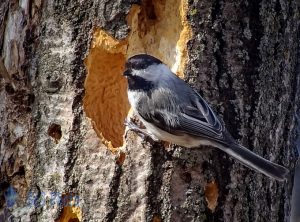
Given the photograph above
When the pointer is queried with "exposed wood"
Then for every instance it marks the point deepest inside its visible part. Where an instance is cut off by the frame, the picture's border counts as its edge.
(242, 57)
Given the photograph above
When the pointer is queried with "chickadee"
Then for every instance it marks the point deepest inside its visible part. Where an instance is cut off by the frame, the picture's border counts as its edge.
(172, 111)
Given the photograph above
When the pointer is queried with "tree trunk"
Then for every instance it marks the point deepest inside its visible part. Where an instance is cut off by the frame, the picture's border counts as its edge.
(65, 154)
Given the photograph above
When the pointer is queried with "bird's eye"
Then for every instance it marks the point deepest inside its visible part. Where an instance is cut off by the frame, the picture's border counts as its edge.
(127, 72)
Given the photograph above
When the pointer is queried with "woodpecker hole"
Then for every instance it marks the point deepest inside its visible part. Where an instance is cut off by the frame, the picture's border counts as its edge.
(159, 28)
(211, 195)
(70, 211)
(54, 131)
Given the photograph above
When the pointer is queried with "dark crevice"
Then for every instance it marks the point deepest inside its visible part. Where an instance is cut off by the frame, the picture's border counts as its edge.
(20, 172)
(150, 12)
(277, 8)
(219, 58)
(279, 17)
(3, 23)
(112, 204)
(218, 54)
(250, 211)
(158, 158)
(222, 178)
(30, 4)
(72, 148)
(251, 69)
(74, 138)
(75, 135)
(276, 50)
(268, 196)
(216, 9)
(4, 187)
(281, 212)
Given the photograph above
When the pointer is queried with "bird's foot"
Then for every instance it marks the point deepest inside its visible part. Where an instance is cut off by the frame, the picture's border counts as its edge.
(138, 130)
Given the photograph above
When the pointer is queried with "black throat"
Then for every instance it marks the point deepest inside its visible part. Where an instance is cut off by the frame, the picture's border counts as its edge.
(137, 83)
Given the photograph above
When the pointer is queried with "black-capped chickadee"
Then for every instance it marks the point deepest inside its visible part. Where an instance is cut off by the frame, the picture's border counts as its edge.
(172, 111)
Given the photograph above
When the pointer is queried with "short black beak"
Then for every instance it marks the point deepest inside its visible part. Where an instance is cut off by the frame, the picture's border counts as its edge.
(127, 72)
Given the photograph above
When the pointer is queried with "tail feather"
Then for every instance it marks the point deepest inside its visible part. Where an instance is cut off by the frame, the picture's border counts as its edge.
(255, 162)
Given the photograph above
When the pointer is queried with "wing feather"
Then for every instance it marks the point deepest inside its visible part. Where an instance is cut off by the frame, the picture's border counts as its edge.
(193, 116)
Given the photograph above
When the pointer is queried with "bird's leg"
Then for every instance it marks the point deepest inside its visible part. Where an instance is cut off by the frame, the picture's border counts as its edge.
(141, 132)
(135, 128)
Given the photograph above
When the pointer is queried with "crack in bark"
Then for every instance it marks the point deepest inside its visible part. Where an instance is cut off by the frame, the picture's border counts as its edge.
(112, 203)
(251, 73)
(158, 158)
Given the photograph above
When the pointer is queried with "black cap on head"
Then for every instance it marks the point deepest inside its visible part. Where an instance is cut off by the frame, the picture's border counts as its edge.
(141, 61)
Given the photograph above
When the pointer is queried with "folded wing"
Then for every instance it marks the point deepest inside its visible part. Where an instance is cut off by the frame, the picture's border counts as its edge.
(192, 116)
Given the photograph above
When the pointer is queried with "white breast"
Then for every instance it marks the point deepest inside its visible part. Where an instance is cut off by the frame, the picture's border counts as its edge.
(134, 98)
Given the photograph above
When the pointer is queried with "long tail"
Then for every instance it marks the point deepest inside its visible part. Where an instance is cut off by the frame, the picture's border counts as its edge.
(255, 162)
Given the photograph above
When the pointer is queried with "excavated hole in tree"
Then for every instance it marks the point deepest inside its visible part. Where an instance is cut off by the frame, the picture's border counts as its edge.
(211, 195)
(55, 132)
(70, 211)
(159, 28)
(69, 215)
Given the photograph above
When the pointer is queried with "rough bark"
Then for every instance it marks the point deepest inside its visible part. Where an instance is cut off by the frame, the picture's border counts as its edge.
(243, 58)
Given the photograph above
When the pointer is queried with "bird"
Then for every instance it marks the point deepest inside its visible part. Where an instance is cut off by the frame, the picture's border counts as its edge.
(172, 111)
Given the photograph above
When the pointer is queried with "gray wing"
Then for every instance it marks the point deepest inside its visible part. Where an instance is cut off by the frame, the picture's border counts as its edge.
(198, 119)
(187, 113)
